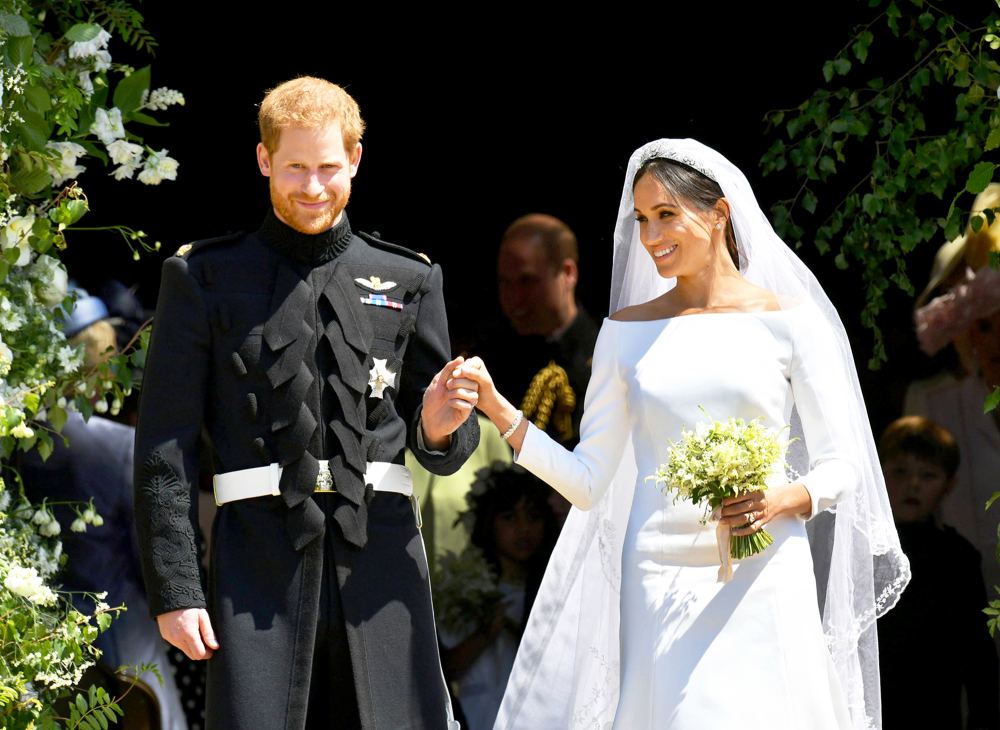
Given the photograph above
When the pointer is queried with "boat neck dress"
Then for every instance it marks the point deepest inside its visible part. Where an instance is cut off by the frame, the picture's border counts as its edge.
(695, 652)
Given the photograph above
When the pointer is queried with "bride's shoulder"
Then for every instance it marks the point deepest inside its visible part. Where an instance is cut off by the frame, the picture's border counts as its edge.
(635, 313)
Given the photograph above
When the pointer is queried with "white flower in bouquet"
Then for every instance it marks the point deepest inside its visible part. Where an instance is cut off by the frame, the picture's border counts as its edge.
(50, 280)
(465, 591)
(78, 525)
(27, 583)
(108, 125)
(718, 460)
(65, 168)
(157, 168)
(17, 234)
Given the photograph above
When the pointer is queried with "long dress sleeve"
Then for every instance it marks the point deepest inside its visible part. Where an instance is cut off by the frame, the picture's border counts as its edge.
(583, 475)
(821, 390)
(171, 410)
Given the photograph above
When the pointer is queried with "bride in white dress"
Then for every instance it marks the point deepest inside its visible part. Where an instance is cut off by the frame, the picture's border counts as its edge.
(632, 628)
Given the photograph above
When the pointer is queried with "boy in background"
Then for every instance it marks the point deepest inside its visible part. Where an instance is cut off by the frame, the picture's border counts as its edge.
(934, 644)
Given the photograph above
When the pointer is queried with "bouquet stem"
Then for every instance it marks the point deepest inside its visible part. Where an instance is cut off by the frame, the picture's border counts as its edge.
(743, 546)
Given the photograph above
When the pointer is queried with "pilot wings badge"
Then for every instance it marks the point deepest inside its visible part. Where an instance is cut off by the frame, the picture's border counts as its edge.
(374, 283)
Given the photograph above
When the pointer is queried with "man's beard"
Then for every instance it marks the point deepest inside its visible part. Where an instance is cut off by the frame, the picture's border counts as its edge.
(302, 220)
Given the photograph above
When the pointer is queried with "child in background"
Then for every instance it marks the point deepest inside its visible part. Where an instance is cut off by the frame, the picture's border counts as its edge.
(513, 529)
(934, 644)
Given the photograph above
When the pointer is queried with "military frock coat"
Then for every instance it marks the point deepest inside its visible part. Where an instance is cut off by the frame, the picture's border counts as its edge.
(270, 343)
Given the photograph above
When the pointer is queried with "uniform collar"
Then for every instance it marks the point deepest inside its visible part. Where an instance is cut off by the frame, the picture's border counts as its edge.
(303, 247)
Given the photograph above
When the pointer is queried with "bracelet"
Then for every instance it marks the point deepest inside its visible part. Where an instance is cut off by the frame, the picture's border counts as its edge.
(513, 427)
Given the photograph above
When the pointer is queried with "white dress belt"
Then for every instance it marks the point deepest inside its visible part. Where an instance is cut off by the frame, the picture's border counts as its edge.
(262, 481)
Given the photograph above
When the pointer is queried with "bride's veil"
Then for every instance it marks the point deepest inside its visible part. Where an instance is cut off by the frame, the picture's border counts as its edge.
(567, 667)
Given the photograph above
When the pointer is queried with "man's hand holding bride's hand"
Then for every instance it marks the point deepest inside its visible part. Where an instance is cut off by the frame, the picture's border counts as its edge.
(493, 405)
(474, 370)
(448, 401)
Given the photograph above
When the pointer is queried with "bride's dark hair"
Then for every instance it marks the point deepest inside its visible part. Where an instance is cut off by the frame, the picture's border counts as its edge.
(686, 183)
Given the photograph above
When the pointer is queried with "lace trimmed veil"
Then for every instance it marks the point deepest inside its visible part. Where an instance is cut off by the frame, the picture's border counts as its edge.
(567, 668)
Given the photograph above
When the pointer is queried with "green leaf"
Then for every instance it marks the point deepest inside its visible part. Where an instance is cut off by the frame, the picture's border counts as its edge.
(827, 165)
(992, 401)
(809, 201)
(146, 119)
(14, 25)
(31, 402)
(76, 210)
(128, 93)
(993, 140)
(29, 181)
(81, 703)
(83, 32)
(19, 49)
(35, 131)
(980, 177)
(57, 418)
(38, 98)
(926, 20)
(828, 71)
(871, 204)
(861, 45)
(103, 621)
(44, 445)
(110, 714)
(842, 65)
(102, 720)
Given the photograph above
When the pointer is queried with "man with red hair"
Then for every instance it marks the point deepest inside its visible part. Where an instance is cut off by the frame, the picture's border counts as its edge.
(311, 356)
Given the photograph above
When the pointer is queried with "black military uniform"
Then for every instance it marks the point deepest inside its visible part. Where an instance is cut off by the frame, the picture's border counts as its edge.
(272, 342)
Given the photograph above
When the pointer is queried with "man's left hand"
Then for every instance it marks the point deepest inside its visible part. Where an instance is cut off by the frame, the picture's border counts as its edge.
(448, 401)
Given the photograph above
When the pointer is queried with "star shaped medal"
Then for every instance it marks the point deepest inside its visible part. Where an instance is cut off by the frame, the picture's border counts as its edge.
(380, 378)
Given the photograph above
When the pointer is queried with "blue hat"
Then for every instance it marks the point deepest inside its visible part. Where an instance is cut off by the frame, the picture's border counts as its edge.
(86, 310)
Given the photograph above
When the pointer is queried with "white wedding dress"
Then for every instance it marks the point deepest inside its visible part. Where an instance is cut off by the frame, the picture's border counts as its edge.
(696, 653)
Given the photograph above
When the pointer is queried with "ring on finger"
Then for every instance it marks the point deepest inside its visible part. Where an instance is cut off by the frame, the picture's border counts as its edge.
(750, 519)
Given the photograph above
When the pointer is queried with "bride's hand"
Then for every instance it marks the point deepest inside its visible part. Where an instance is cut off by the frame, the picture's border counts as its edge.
(750, 512)
(746, 513)
(493, 405)
(474, 369)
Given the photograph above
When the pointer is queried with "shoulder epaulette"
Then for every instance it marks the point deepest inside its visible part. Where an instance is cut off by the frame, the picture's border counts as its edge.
(188, 248)
(374, 240)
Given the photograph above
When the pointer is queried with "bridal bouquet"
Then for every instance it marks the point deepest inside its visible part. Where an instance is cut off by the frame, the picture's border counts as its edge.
(718, 460)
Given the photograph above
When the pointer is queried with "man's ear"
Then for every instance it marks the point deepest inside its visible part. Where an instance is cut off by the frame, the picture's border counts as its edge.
(263, 160)
(355, 159)
(570, 271)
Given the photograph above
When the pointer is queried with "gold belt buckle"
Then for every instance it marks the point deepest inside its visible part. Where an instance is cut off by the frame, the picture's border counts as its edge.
(324, 480)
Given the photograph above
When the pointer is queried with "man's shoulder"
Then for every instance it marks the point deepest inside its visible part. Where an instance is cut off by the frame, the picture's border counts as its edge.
(394, 253)
(197, 248)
